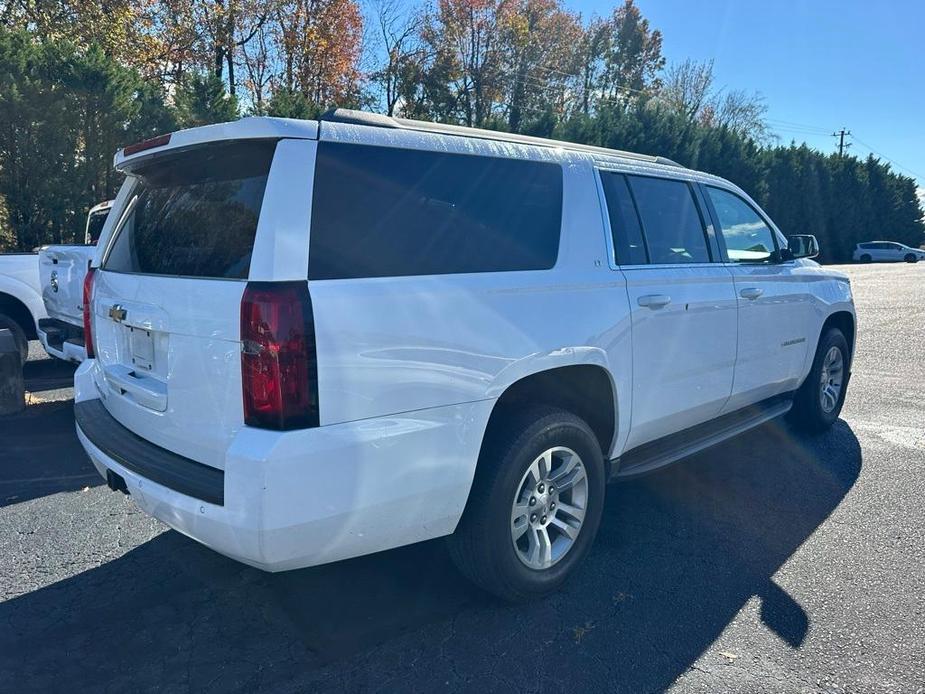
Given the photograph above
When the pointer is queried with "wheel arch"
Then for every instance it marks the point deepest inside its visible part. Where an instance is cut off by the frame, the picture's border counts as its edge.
(844, 321)
(587, 390)
(16, 309)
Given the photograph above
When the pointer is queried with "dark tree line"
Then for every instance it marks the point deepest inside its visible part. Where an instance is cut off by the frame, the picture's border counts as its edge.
(842, 200)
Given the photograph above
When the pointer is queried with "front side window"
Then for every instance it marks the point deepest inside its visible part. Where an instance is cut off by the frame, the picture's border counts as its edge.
(748, 238)
(671, 222)
(628, 245)
(390, 212)
(194, 214)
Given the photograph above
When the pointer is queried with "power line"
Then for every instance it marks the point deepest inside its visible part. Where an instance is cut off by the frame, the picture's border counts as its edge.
(797, 131)
(892, 161)
(801, 126)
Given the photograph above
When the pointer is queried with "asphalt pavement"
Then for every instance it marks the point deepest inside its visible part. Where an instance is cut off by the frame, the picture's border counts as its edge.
(776, 562)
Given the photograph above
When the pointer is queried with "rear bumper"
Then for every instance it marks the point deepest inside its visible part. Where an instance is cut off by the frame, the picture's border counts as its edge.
(147, 460)
(61, 340)
(309, 497)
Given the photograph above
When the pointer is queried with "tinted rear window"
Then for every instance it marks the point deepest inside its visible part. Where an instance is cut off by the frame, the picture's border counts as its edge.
(195, 214)
(629, 247)
(388, 212)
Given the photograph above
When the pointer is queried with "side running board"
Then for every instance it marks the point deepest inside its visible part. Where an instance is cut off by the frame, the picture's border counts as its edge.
(656, 454)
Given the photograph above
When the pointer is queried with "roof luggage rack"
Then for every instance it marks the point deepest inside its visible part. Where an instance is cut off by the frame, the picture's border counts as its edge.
(377, 120)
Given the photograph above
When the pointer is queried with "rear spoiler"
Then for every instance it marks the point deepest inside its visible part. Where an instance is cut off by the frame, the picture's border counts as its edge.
(254, 128)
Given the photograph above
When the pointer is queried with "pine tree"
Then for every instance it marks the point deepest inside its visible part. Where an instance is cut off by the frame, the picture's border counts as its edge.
(201, 99)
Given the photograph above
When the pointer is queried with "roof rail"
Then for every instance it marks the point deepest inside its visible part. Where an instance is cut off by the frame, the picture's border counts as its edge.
(346, 115)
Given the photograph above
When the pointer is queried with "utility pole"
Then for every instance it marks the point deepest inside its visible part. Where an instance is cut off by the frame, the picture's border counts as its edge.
(841, 141)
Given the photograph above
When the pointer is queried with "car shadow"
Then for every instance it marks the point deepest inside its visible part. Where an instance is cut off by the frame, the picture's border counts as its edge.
(41, 455)
(43, 374)
(679, 554)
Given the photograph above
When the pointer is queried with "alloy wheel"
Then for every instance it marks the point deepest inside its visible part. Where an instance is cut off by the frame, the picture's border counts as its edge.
(549, 508)
(832, 379)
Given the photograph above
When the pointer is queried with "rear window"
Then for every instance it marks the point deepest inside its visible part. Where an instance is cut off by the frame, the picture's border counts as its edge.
(629, 247)
(194, 214)
(95, 224)
(388, 212)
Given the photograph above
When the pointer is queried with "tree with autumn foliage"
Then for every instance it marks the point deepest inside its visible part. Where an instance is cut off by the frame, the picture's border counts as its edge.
(539, 37)
(318, 44)
(462, 78)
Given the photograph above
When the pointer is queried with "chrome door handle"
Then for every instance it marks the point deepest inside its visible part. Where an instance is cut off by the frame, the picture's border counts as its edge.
(654, 301)
(751, 293)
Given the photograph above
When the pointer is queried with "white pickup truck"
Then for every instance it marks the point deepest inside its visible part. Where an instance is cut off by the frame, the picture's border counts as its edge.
(21, 305)
(62, 270)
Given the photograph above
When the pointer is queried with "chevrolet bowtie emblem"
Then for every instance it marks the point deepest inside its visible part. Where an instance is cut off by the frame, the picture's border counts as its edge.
(117, 313)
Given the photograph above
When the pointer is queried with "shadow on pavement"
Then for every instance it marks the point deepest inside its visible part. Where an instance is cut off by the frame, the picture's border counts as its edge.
(678, 555)
(40, 454)
(42, 374)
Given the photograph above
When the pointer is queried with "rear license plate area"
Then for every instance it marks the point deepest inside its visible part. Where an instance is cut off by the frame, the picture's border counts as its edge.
(141, 344)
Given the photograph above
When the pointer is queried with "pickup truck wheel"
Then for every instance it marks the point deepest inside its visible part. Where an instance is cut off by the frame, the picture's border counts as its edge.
(535, 505)
(18, 334)
(819, 400)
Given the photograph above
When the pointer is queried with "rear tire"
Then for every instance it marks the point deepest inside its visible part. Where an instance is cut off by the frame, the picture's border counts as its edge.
(866, 258)
(819, 400)
(911, 258)
(511, 497)
(18, 334)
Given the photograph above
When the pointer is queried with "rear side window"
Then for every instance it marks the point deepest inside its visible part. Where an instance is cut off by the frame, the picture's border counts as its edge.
(388, 212)
(194, 214)
(629, 247)
(671, 222)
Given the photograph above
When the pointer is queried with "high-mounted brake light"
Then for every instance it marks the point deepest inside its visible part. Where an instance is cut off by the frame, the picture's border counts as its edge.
(150, 143)
(279, 372)
(88, 312)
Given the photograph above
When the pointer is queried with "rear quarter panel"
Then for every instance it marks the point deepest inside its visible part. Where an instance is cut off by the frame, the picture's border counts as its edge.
(400, 344)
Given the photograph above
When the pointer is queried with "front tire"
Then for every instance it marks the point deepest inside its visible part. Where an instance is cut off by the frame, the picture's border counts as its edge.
(911, 258)
(535, 505)
(819, 400)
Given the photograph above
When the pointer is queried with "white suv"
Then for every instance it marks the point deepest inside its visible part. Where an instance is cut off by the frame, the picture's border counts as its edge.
(312, 340)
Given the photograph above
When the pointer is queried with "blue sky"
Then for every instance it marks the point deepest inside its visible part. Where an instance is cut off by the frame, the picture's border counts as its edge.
(820, 64)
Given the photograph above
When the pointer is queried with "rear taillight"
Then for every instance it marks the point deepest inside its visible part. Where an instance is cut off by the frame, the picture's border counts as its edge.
(88, 313)
(279, 372)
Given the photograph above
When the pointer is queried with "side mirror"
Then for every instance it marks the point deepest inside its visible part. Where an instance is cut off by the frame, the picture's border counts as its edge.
(803, 246)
